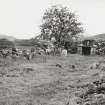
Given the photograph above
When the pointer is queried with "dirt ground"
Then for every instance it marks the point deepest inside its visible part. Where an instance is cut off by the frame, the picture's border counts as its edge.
(50, 80)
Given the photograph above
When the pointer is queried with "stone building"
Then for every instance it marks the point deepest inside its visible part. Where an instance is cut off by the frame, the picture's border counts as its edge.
(87, 47)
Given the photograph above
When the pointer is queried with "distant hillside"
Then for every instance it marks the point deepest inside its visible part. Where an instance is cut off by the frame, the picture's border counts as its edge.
(95, 37)
(98, 37)
(10, 38)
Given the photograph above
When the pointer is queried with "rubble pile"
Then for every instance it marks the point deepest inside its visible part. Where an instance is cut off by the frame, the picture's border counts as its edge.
(91, 94)
(100, 48)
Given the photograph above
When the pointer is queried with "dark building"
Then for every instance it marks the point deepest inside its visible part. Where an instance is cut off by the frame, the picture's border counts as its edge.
(87, 47)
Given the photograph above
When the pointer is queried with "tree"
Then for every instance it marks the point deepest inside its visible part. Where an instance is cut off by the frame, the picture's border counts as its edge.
(61, 24)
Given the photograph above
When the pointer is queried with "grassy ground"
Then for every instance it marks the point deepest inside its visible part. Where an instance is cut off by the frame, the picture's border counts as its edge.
(49, 80)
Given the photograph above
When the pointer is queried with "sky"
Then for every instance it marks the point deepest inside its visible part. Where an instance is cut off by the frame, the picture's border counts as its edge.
(22, 18)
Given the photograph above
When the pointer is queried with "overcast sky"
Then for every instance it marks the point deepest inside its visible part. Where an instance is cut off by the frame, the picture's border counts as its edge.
(22, 18)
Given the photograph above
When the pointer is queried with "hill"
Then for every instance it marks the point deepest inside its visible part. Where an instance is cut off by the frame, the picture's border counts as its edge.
(98, 37)
(10, 38)
(4, 43)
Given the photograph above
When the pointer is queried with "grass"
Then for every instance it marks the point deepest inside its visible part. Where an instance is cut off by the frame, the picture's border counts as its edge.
(37, 81)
